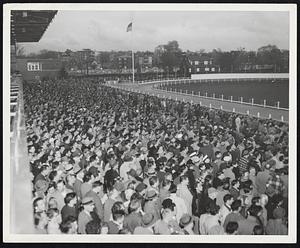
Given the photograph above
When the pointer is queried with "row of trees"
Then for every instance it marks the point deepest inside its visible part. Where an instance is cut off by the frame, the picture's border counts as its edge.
(172, 59)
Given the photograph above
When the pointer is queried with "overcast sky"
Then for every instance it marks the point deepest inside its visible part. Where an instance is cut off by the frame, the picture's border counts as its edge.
(194, 30)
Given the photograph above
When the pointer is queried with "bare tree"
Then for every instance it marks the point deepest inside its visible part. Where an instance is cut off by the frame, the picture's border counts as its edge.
(20, 51)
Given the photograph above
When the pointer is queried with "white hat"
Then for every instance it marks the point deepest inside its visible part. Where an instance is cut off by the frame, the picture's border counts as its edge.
(193, 154)
(227, 158)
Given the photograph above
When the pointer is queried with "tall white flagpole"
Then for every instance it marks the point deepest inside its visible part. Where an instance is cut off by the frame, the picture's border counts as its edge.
(132, 53)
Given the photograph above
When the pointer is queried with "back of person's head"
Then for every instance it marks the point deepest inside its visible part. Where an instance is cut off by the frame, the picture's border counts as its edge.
(66, 225)
(226, 184)
(93, 158)
(93, 227)
(213, 208)
(69, 197)
(52, 175)
(173, 189)
(236, 205)
(134, 205)
(254, 210)
(232, 227)
(258, 230)
(87, 177)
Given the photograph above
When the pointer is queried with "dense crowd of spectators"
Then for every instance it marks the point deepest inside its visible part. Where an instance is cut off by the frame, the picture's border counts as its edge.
(105, 161)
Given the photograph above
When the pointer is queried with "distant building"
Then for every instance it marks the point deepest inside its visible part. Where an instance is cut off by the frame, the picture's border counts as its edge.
(201, 64)
(37, 69)
(144, 60)
(122, 62)
(159, 50)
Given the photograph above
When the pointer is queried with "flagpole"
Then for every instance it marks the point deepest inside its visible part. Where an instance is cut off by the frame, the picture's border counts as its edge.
(132, 65)
(132, 53)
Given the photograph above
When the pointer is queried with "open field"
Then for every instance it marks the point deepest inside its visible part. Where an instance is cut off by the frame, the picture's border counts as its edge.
(259, 90)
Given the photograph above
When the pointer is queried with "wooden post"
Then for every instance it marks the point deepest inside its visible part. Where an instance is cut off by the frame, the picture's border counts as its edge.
(270, 116)
(210, 105)
(222, 97)
(278, 103)
(221, 107)
(206, 94)
(200, 103)
(258, 115)
(248, 112)
(233, 110)
(241, 99)
(265, 102)
(231, 97)
(282, 118)
(214, 95)
(252, 101)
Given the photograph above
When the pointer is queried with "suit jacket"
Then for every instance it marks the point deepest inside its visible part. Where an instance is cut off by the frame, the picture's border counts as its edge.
(83, 219)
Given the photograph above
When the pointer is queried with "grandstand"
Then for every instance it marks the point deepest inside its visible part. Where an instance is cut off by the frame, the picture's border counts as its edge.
(26, 26)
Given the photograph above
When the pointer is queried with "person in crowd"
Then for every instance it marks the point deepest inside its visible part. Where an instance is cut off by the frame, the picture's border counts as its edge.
(146, 228)
(187, 224)
(69, 209)
(235, 215)
(152, 205)
(96, 192)
(258, 230)
(226, 208)
(40, 222)
(85, 214)
(93, 227)
(134, 217)
(277, 226)
(69, 225)
(115, 224)
(231, 228)
(246, 225)
(54, 220)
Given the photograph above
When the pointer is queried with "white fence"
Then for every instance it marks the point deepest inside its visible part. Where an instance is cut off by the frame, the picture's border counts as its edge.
(241, 75)
(160, 84)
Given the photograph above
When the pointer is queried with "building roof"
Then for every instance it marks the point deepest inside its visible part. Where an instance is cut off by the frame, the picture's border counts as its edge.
(198, 57)
(29, 25)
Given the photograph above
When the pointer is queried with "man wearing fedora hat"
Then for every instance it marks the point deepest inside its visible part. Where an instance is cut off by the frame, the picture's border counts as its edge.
(85, 215)
(152, 205)
(187, 224)
(146, 228)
